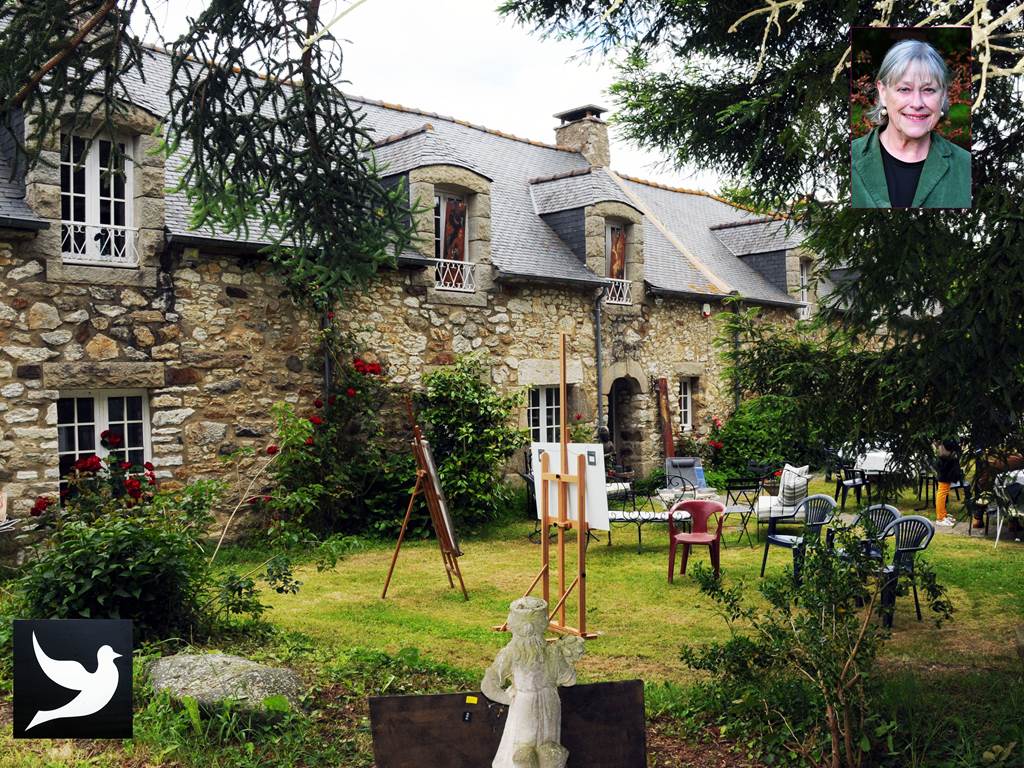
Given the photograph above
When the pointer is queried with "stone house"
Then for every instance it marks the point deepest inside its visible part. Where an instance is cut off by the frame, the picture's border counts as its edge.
(114, 314)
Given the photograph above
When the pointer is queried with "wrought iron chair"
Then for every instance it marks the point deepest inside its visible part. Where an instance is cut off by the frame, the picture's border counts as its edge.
(741, 499)
(911, 534)
(818, 511)
(699, 512)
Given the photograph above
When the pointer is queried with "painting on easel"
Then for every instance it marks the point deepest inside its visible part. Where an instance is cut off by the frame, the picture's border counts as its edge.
(429, 484)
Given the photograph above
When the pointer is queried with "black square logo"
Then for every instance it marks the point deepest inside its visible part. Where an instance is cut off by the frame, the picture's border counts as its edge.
(73, 679)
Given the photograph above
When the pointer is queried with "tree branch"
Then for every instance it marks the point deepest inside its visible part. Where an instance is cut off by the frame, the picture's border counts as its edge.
(63, 53)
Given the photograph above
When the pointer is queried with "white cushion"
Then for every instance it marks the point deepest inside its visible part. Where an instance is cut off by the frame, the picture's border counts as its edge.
(793, 484)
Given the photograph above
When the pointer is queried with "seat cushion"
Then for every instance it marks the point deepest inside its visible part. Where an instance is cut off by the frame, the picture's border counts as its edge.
(769, 506)
(793, 484)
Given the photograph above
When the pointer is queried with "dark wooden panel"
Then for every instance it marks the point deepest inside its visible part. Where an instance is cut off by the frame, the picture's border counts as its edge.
(602, 727)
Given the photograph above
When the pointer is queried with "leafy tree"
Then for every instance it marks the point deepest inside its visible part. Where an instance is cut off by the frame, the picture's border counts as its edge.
(758, 91)
(266, 137)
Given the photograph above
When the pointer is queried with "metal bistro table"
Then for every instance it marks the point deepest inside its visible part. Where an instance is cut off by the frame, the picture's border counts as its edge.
(643, 509)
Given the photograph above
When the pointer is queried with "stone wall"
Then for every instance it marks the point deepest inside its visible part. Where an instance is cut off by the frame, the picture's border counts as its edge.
(214, 348)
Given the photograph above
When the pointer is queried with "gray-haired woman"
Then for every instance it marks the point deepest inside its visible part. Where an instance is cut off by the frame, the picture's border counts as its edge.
(903, 162)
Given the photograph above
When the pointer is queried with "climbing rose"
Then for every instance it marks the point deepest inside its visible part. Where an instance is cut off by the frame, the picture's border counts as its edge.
(126, 465)
(309, 441)
(148, 466)
(316, 420)
(89, 464)
(42, 502)
(351, 392)
(271, 450)
(318, 403)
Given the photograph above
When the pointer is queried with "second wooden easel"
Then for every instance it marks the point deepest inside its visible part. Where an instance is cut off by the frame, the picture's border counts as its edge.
(563, 480)
(428, 483)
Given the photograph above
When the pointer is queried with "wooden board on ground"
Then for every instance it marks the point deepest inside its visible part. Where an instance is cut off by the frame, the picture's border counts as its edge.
(602, 727)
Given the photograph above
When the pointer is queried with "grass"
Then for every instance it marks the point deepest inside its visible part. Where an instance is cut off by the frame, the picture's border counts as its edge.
(642, 619)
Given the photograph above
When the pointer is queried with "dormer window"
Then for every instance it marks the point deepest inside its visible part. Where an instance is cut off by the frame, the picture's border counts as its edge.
(615, 260)
(453, 271)
(96, 203)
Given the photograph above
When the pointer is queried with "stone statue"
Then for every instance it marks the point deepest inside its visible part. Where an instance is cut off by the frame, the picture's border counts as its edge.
(525, 676)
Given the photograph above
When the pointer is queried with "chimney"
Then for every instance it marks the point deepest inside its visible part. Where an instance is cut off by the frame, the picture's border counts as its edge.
(583, 130)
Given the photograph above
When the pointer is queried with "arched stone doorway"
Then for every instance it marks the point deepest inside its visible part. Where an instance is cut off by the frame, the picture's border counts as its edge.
(624, 420)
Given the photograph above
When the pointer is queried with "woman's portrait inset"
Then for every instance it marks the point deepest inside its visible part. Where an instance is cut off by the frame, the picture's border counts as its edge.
(911, 118)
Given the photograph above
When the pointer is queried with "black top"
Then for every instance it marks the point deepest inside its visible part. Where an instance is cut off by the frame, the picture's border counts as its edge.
(901, 178)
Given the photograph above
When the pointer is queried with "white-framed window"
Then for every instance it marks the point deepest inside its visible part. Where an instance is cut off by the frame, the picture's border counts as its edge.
(805, 282)
(686, 404)
(96, 194)
(82, 416)
(544, 415)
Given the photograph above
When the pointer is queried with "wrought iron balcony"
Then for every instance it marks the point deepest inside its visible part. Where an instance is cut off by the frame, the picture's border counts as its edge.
(102, 245)
(618, 292)
(454, 275)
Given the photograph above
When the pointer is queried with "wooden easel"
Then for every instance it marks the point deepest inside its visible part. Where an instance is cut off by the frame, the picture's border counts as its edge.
(428, 483)
(557, 618)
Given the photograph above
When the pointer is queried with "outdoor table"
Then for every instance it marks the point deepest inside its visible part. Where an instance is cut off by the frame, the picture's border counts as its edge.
(640, 518)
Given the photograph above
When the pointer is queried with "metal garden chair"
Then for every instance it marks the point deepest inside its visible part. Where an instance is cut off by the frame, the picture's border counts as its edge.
(911, 535)
(818, 511)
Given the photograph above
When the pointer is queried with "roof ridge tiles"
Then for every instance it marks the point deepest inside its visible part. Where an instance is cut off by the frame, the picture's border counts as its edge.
(752, 222)
(563, 175)
(403, 135)
(702, 193)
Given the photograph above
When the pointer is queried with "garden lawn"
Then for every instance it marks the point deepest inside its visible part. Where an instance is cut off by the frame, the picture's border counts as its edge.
(642, 620)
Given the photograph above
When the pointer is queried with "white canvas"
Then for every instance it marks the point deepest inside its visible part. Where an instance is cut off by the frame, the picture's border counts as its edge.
(597, 496)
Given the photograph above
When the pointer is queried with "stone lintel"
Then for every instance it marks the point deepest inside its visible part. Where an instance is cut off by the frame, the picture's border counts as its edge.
(109, 375)
(691, 370)
(545, 373)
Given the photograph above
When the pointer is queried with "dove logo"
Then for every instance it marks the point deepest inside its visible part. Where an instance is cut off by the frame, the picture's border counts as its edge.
(73, 679)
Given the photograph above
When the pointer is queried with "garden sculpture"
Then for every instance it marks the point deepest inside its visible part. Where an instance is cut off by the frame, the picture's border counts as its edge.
(525, 676)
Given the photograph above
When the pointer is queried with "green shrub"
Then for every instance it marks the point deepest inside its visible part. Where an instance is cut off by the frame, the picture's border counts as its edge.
(768, 430)
(470, 426)
(131, 567)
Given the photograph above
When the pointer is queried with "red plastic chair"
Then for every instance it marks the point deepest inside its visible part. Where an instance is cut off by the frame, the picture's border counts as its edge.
(700, 512)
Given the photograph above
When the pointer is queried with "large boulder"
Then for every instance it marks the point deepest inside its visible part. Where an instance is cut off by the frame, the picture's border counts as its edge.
(214, 678)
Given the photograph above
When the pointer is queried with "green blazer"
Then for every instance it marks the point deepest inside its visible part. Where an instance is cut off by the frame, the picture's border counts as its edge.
(945, 179)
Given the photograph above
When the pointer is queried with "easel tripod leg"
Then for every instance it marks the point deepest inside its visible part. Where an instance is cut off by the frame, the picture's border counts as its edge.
(401, 535)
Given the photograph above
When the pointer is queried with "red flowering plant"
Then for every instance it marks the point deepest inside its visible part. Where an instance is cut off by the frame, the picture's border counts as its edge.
(342, 468)
(96, 485)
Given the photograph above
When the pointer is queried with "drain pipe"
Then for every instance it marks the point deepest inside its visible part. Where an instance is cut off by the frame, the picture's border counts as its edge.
(598, 354)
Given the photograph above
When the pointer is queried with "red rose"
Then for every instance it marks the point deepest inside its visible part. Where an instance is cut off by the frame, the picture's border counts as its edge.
(89, 464)
(42, 502)
(316, 420)
(309, 441)
(351, 392)
(104, 434)
(132, 484)
(113, 440)
(375, 369)
(579, 417)
(330, 315)
(126, 465)
(271, 450)
(778, 473)
(318, 403)
(148, 466)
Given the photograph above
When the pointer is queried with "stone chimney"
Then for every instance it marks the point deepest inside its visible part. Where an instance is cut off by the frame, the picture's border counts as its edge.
(583, 130)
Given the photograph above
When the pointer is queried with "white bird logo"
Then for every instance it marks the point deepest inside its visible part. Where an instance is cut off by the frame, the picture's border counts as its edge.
(96, 689)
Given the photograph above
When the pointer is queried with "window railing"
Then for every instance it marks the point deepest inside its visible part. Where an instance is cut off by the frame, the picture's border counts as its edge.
(454, 275)
(103, 245)
(618, 292)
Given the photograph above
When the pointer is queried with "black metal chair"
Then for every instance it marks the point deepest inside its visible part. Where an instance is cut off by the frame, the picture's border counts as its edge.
(911, 535)
(740, 499)
(852, 480)
(818, 512)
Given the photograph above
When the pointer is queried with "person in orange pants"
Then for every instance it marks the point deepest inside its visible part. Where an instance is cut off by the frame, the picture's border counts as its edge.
(947, 471)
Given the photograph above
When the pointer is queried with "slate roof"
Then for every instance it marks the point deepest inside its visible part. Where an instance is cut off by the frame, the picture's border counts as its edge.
(688, 216)
(761, 236)
(417, 148)
(575, 190)
(682, 254)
